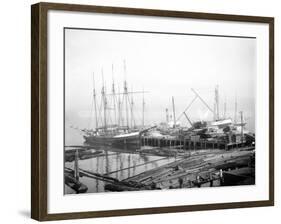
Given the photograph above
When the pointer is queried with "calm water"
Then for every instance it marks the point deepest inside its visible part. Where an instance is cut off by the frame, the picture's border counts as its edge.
(113, 161)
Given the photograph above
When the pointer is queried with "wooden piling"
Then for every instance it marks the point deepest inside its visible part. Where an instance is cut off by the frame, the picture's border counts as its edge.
(221, 177)
(211, 179)
(76, 165)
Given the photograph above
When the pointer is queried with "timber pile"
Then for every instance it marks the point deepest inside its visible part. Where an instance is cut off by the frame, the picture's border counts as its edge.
(195, 171)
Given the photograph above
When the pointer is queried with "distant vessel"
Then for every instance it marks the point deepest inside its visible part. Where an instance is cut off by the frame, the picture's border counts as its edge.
(220, 129)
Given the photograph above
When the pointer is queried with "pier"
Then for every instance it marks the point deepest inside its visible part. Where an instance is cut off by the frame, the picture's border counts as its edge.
(202, 168)
(188, 144)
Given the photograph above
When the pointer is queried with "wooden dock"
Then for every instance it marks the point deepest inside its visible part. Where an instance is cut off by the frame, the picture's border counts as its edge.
(199, 168)
(204, 169)
(187, 144)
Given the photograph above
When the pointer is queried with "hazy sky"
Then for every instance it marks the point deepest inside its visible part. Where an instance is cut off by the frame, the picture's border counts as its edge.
(165, 65)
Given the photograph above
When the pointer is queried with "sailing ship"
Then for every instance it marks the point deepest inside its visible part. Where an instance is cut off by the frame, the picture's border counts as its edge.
(116, 115)
(220, 128)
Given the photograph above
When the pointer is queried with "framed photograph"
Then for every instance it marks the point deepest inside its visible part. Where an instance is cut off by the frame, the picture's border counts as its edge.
(141, 111)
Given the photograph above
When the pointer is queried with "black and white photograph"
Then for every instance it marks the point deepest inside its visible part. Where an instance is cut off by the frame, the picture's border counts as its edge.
(157, 111)
(136, 111)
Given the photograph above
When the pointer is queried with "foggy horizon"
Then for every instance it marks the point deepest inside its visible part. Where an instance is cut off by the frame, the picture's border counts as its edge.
(165, 66)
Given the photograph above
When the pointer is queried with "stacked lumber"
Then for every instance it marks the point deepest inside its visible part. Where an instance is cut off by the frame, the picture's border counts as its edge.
(204, 169)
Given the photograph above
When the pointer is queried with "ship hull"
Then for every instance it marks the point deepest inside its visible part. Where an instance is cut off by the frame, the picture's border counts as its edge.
(126, 142)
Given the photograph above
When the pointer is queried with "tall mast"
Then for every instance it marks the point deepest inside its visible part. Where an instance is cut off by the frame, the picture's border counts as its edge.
(126, 95)
(143, 106)
(119, 109)
(215, 116)
(174, 112)
(132, 111)
(95, 99)
(114, 96)
(217, 101)
(235, 110)
(104, 100)
(242, 126)
(224, 109)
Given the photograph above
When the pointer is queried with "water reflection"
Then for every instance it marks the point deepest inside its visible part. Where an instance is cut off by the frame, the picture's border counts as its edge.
(115, 164)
